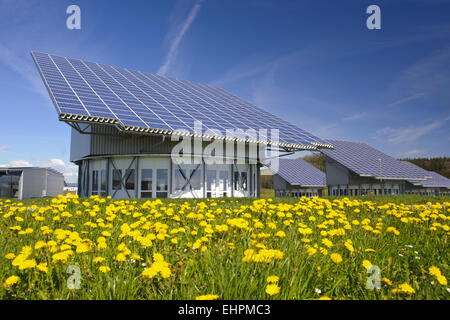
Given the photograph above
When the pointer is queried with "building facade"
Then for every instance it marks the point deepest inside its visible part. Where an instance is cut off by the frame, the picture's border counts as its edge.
(355, 169)
(297, 178)
(342, 181)
(30, 182)
(123, 165)
(436, 186)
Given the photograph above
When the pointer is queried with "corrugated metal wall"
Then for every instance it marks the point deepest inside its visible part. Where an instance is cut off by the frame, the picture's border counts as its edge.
(107, 140)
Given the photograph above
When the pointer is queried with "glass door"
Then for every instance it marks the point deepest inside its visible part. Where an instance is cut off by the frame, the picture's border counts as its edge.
(146, 183)
(162, 183)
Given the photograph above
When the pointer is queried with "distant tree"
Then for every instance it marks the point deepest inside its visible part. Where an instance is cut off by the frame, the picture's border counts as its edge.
(316, 159)
(439, 165)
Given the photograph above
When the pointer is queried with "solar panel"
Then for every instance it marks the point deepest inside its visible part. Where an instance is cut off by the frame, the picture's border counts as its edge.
(299, 172)
(142, 102)
(436, 180)
(367, 161)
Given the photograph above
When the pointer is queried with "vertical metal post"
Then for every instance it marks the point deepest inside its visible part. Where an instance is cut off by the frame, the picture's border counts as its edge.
(170, 190)
(232, 180)
(107, 176)
(136, 175)
(258, 181)
(80, 172)
(204, 177)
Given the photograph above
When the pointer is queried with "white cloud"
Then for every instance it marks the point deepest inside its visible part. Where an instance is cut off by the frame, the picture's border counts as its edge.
(410, 133)
(17, 163)
(175, 40)
(4, 147)
(69, 171)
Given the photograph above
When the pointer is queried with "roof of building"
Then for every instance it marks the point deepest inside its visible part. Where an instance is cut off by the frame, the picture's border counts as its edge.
(142, 103)
(72, 185)
(369, 162)
(31, 168)
(436, 180)
(298, 172)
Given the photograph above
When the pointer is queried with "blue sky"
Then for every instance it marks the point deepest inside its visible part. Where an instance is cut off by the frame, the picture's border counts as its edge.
(313, 63)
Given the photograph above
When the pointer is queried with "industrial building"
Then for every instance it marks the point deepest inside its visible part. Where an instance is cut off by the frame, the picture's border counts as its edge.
(138, 135)
(354, 168)
(297, 178)
(30, 182)
(436, 186)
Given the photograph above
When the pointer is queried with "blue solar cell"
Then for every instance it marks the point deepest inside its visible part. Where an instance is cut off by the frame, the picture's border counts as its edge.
(298, 172)
(365, 160)
(436, 180)
(157, 102)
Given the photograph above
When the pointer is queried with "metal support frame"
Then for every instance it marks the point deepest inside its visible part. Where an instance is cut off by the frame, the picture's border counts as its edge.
(188, 180)
(124, 177)
(76, 126)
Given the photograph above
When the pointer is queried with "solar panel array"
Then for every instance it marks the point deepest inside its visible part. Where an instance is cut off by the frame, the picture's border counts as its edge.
(436, 179)
(298, 172)
(140, 101)
(364, 160)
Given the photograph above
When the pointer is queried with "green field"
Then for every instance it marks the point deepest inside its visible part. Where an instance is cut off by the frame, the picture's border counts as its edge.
(225, 248)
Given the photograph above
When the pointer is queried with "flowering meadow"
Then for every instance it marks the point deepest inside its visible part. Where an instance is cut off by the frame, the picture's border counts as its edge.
(97, 248)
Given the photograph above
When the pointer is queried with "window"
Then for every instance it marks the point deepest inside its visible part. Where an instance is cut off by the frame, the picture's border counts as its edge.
(146, 180)
(162, 183)
(94, 182)
(103, 183)
(117, 178)
(196, 179)
(129, 179)
(244, 181)
(223, 180)
(236, 181)
(210, 179)
(180, 179)
(146, 183)
(9, 184)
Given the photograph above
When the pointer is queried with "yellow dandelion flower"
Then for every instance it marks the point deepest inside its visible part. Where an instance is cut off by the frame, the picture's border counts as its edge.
(11, 281)
(273, 279)
(272, 289)
(207, 297)
(336, 257)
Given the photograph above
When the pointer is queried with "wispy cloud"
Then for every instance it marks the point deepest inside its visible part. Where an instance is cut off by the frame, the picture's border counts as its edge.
(24, 68)
(407, 99)
(428, 76)
(353, 117)
(176, 39)
(410, 133)
(4, 147)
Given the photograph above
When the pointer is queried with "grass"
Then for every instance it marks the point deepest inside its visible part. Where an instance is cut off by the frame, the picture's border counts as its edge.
(182, 249)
